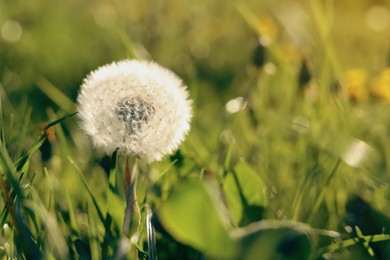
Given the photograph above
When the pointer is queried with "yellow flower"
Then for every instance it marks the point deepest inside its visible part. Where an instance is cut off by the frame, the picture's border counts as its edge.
(354, 82)
(380, 86)
(289, 53)
(267, 27)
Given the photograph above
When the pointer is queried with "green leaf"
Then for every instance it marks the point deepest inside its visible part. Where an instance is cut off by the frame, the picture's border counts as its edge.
(244, 194)
(273, 239)
(191, 217)
(251, 185)
(233, 198)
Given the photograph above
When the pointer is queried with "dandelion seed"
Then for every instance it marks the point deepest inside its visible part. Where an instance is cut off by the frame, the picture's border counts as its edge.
(138, 107)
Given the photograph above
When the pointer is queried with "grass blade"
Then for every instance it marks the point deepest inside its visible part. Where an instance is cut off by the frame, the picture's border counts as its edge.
(39, 141)
(9, 169)
(55, 94)
(84, 181)
(164, 171)
(323, 192)
(23, 235)
(108, 220)
(2, 138)
(72, 216)
(93, 236)
(111, 182)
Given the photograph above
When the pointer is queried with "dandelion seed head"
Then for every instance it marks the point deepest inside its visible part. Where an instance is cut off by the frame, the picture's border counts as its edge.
(136, 106)
(134, 112)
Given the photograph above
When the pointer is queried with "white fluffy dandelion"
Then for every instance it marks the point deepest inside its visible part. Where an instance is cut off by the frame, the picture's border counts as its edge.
(136, 106)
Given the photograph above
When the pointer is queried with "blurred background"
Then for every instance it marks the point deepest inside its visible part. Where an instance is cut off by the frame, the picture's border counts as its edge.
(300, 89)
(209, 44)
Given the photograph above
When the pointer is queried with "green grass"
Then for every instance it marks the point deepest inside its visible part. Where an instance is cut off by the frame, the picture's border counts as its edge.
(301, 171)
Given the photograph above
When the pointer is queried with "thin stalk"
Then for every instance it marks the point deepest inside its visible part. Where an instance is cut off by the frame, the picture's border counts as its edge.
(131, 199)
(351, 242)
(297, 201)
(152, 252)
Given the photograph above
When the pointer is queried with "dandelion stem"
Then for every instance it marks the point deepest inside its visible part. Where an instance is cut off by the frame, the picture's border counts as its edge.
(131, 201)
